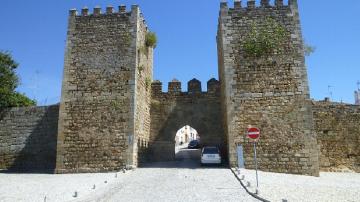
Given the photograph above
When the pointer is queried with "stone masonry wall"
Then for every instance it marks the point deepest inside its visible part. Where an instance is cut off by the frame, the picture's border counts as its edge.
(97, 110)
(144, 77)
(174, 109)
(270, 92)
(28, 138)
(338, 128)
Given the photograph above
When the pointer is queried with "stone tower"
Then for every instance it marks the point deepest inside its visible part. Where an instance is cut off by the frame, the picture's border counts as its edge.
(270, 92)
(105, 101)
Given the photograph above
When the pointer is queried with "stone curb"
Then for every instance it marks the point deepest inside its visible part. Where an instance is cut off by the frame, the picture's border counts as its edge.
(246, 189)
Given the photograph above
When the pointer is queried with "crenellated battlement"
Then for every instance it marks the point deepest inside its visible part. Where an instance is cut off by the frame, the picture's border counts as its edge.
(242, 5)
(193, 88)
(109, 10)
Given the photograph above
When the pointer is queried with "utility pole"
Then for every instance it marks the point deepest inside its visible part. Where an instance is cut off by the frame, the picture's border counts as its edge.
(330, 92)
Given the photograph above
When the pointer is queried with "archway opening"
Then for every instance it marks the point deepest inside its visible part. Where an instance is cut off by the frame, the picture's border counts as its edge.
(187, 144)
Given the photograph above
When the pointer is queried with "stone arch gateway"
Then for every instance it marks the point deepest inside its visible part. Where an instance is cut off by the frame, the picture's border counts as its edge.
(112, 115)
(173, 109)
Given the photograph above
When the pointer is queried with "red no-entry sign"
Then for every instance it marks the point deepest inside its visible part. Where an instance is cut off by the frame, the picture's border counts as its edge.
(253, 133)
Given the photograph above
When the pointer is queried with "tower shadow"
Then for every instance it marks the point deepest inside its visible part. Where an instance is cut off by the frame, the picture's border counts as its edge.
(38, 155)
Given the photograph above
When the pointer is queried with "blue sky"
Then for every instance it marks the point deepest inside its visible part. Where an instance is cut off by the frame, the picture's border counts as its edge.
(35, 33)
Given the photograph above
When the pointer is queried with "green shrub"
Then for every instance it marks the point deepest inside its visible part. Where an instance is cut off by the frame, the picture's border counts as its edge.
(265, 38)
(151, 39)
(115, 104)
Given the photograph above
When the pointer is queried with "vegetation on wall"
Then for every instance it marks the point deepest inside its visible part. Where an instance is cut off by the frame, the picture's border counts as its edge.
(144, 50)
(151, 39)
(265, 38)
(148, 83)
(127, 39)
(9, 81)
(116, 105)
(140, 69)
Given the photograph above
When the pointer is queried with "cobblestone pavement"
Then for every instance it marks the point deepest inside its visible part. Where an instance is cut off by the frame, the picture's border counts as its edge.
(182, 180)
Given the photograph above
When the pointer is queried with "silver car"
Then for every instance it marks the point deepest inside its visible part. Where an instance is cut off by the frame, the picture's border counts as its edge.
(210, 155)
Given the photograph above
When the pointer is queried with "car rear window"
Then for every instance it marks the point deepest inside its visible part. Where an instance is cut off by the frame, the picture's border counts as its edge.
(210, 150)
(193, 142)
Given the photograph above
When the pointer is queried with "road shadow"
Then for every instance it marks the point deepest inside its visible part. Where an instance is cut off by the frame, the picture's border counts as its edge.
(185, 164)
(184, 158)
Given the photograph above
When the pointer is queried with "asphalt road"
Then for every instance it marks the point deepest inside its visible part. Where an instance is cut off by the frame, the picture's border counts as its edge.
(181, 180)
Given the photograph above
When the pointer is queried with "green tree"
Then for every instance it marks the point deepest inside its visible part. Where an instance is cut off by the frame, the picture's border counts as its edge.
(8, 83)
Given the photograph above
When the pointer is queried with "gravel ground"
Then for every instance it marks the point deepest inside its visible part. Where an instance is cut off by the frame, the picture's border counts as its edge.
(176, 181)
(182, 180)
(329, 187)
(34, 187)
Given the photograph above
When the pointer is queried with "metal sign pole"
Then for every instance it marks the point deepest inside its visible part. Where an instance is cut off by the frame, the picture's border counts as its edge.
(256, 166)
(254, 133)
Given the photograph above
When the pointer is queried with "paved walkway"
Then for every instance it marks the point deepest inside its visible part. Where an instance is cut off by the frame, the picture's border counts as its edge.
(183, 180)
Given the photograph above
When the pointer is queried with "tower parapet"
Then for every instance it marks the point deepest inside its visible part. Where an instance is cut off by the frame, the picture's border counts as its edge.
(174, 87)
(279, 3)
(251, 5)
(213, 86)
(265, 3)
(237, 4)
(109, 10)
(122, 9)
(85, 11)
(194, 86)
(156, 87)
(72, 12)
(97, 11)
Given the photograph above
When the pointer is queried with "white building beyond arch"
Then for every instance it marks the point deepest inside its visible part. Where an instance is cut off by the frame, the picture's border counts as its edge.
(186, 134)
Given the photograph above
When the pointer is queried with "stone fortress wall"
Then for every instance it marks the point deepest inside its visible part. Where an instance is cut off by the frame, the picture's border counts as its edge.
(337, 126)
(112, 115)
(28, 138)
